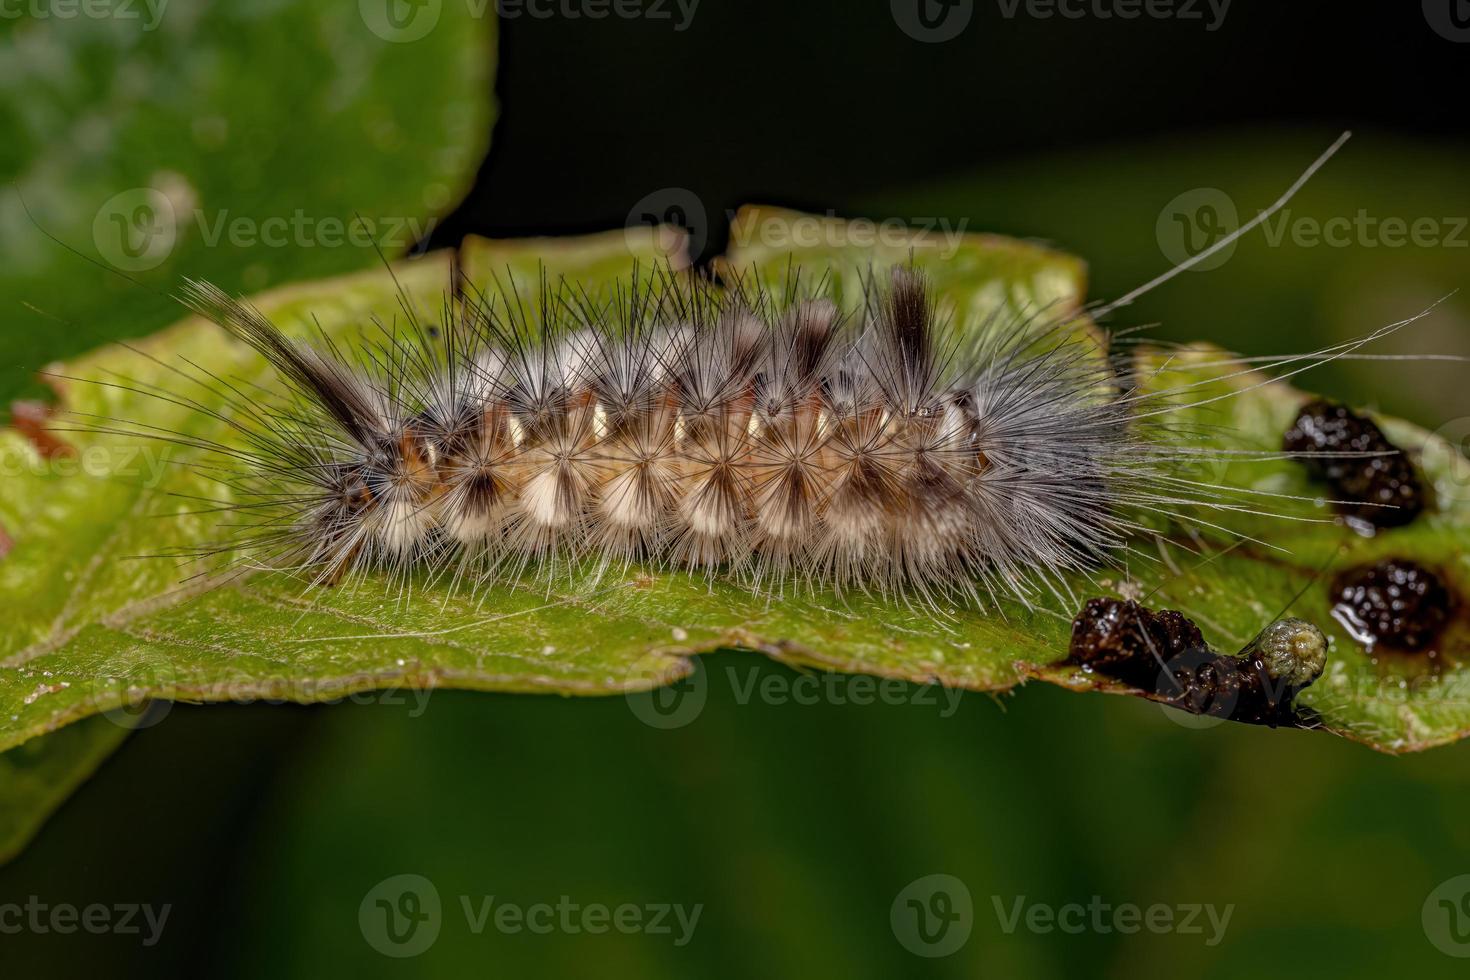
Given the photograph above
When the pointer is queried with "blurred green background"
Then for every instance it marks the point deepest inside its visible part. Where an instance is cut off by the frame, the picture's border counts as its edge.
(795, 827)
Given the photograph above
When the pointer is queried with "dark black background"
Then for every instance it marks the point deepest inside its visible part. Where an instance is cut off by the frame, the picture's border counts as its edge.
(814, 102)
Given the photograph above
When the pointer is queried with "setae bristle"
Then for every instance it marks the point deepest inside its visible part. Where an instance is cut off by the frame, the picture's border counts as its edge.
(769, 437)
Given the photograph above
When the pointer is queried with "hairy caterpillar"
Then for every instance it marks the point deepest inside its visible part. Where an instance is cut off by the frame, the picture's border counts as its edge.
(771, 437)
(722, 431)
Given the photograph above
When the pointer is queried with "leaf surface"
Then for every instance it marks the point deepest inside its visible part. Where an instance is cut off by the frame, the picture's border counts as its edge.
(115, 630)
(151, 144)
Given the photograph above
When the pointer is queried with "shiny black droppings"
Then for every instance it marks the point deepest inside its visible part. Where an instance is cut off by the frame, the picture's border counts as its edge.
(1376, 486)
(1395, 603)
(1164, 655)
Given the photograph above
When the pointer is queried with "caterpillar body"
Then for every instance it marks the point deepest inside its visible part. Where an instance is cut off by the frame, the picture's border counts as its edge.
(760, 434)
(767, 436)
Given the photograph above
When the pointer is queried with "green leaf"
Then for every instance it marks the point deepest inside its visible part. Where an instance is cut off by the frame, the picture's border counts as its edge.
(114, 630)
(1391, 702)
(164, 148)
(1395, 702)
(151, 143)
(977, 275)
